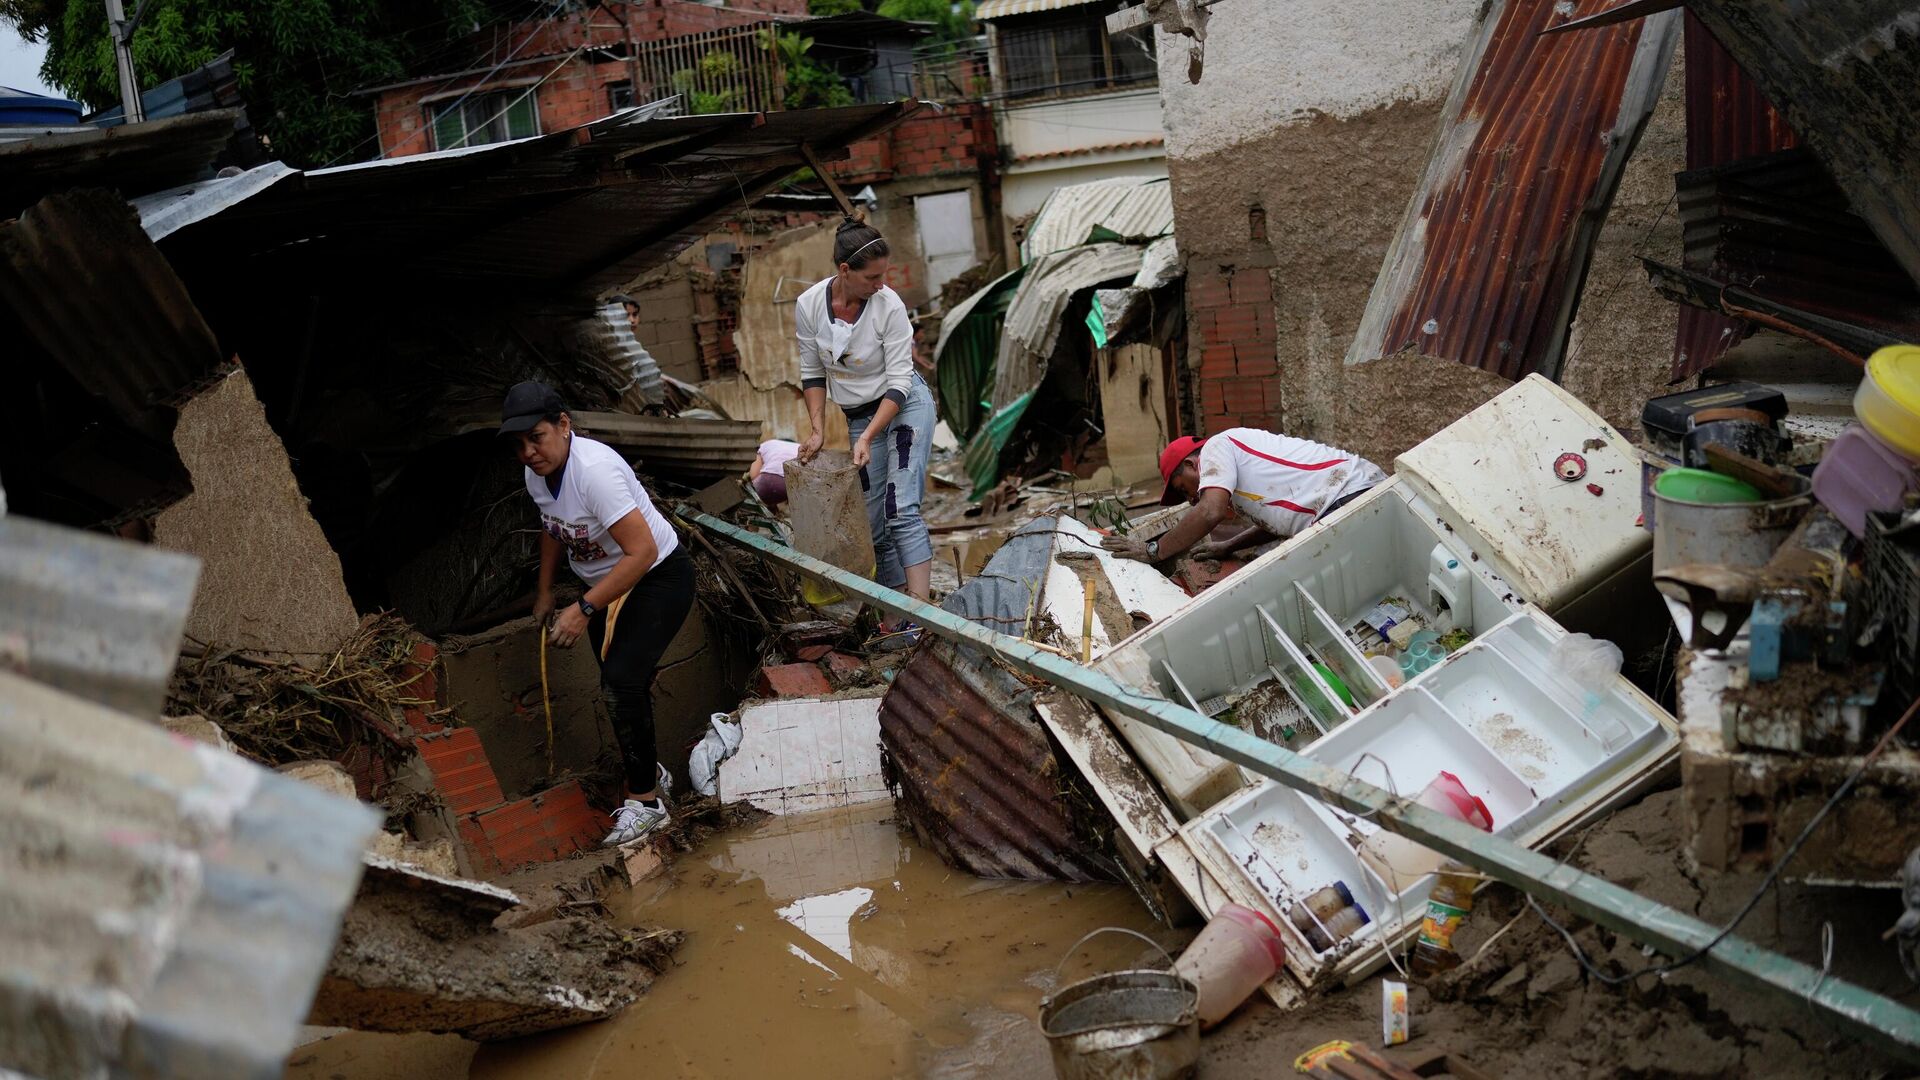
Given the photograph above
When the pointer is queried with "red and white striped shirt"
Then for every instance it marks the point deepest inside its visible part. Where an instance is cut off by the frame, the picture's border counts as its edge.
(1278, 482)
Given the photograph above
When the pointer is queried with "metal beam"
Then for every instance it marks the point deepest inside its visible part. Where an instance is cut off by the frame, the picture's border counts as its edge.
(1889, 1025)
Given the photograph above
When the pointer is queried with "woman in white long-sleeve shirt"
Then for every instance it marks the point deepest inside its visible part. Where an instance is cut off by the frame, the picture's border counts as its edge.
(856, 347)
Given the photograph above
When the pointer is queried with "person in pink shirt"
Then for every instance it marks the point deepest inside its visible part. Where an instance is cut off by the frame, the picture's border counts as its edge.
(768, 475)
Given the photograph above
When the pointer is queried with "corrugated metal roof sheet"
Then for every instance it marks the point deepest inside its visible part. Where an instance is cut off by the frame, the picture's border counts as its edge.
(1847, 73)
(133, 159)
(1000, 9)
(1035, 317)
(577, 211)
(685, 448)
(1728, 118)
(1124, 208)
(1489, 261)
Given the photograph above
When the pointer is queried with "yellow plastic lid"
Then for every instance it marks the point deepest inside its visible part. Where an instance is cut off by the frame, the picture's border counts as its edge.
(1897, 369)
(1888, 401)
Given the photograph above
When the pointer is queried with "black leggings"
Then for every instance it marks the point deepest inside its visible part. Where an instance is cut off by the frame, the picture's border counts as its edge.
(648, 621)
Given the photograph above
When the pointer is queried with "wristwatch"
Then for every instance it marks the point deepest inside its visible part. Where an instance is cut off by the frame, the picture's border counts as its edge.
(587, 608)
(1153, 548)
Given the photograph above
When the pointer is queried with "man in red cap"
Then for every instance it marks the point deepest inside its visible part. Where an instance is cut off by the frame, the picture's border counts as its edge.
(1277, 484)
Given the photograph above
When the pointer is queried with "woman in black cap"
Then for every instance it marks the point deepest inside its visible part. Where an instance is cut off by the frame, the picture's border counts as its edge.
(639, 580)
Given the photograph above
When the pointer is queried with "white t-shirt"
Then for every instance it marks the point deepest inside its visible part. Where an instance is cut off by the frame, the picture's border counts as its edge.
(861, 360)
(597, 489)
(1278, 482)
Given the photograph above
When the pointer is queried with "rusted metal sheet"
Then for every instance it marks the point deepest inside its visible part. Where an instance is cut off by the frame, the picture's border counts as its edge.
(134, 159)
(1728, 119)
(577, 211)
(1778, 230)
(978, 776)
(1845, 73)
(104, 340)
(1491, 256)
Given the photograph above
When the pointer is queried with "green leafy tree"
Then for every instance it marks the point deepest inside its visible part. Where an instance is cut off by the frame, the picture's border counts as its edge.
(822, 8)
(297, 61)
(952, 22)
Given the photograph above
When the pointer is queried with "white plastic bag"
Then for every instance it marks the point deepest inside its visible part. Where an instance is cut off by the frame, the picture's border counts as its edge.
(721, 742)
(1593, 664)
(1588, 661)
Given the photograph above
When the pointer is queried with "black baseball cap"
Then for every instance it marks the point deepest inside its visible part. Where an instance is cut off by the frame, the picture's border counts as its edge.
(527, 404)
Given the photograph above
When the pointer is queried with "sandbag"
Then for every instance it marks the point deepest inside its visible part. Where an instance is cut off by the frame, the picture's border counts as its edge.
(829, 513)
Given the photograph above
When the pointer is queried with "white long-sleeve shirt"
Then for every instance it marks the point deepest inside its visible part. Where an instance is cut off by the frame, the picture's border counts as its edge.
(858, 363)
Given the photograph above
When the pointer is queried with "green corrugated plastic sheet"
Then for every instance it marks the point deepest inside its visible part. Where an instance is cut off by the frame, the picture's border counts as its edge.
(982, 457)
(964, 369)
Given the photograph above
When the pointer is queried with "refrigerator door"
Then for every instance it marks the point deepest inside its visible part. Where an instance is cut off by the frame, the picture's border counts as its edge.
(1540, 487)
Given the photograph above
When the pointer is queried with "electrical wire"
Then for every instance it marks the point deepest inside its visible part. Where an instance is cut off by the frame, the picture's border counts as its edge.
(1753, 901)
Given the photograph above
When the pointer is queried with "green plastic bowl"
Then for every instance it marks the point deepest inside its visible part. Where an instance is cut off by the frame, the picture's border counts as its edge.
(1339, 685)
(1704, 486)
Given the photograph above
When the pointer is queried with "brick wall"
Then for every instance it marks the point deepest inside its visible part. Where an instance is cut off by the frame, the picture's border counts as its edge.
(1230, 320)
(956, 141)
(577, 93)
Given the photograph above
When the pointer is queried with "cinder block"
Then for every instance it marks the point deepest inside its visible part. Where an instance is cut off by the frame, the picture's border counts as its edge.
(792, 680)
(461, 772)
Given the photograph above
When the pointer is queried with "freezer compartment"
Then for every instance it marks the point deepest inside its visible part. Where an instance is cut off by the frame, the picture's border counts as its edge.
(1239, 634)
(1410, 740)
(1286, 847)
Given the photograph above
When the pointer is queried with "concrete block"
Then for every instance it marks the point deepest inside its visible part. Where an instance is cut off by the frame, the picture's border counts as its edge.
(791, 681)
(199, 729)
(645, 860)
(491, 681)
(328, 776)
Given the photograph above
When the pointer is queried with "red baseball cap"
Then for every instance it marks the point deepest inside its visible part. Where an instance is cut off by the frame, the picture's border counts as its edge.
(1176, 452)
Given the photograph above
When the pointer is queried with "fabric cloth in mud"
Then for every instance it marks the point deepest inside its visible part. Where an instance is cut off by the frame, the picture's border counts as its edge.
(1279, 482)
(895, 481)
(596, 489)
(643, 625)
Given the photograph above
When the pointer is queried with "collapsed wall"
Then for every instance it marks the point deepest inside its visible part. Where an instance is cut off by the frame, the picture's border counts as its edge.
(1288, 203)
(1291, 163)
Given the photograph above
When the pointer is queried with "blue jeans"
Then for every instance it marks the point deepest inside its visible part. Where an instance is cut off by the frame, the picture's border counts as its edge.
(895, 481)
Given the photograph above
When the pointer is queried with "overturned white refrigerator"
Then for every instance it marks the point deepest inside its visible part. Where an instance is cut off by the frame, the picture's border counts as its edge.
(1413, 634)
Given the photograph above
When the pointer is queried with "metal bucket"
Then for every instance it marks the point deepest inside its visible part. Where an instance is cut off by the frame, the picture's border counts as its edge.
(1123, 1025)
(1723, 534)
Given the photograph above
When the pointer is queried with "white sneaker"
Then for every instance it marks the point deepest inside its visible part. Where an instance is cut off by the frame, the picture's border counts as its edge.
(635, 820)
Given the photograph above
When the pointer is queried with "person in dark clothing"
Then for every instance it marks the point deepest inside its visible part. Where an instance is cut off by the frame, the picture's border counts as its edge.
(639, 581)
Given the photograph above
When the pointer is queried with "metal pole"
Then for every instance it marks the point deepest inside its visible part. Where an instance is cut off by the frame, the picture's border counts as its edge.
(1888, 1024)
(122, 35)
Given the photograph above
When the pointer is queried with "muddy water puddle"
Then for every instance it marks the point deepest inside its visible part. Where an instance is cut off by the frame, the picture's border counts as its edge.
(832, 945)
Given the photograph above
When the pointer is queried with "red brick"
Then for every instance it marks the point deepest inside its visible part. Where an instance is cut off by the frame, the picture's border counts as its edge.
(539, 828)
(1252, 287)
(461, 772)
(1209, 289)
(792, 680)
(811, 653)
(839, 663)
(422, 677)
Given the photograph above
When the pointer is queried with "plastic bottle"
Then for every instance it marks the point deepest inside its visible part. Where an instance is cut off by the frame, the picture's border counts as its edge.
(1237, 951)
(1387, 669)
(1447, 907)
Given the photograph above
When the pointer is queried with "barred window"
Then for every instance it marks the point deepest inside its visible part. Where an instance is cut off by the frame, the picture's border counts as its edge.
(485, 118)
(1068, 52)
